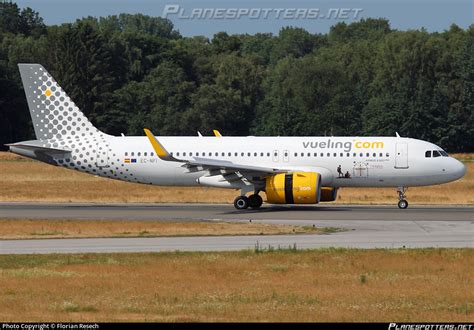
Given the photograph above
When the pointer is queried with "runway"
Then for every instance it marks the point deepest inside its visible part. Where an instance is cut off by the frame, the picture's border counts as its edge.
(365, 226)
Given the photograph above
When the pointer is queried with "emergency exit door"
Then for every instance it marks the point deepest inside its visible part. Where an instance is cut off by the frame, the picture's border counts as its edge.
(276, 157)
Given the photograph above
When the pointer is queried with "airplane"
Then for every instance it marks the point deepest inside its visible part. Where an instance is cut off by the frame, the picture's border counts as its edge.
(289, 170)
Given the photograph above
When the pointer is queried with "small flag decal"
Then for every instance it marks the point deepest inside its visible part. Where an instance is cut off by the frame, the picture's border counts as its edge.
(129, 160)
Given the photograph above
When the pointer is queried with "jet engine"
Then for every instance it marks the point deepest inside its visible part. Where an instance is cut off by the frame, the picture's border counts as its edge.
(293, 188)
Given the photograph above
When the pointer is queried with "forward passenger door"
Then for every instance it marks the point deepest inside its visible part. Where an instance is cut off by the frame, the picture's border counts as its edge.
(401, 155)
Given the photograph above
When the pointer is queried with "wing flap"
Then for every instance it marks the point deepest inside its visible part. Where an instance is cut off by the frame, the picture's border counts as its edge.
(229, 166)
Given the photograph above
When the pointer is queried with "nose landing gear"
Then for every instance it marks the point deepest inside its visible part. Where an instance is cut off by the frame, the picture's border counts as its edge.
(402, 203)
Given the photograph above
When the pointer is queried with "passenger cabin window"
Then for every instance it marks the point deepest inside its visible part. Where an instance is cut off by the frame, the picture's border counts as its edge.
(436, 153)
(126, 154)
(428, 154)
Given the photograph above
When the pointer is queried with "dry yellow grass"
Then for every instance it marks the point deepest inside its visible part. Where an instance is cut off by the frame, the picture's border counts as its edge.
(34, 229)
(435, 285)
(25, 180)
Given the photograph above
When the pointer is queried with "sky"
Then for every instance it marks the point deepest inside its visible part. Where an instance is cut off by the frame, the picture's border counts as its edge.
(433, 15)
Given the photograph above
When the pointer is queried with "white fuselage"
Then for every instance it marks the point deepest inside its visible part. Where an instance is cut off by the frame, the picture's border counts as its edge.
(364, 161)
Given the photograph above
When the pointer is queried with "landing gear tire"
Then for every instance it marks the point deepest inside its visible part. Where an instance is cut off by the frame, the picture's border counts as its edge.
(241, 202)
(255, 201)
(403, 204)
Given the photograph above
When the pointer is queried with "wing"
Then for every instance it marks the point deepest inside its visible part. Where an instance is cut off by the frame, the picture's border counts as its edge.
(213, 164)
(215, 167)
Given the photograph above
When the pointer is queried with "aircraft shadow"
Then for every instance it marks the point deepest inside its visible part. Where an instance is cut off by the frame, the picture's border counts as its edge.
(272, 209)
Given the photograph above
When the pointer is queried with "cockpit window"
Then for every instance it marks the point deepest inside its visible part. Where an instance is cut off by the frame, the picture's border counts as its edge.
(428, 154)
(443, 153)
(436, 153)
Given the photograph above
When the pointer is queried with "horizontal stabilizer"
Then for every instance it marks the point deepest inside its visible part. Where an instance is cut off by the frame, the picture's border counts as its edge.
(34, 149)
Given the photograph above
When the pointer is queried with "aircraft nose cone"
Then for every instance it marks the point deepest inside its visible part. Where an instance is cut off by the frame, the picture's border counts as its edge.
(459, 169)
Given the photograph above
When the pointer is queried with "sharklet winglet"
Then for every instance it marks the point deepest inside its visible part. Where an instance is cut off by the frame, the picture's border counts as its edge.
(161, 152)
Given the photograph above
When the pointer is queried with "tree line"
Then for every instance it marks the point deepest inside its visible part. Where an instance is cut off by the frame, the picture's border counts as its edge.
(127, 72)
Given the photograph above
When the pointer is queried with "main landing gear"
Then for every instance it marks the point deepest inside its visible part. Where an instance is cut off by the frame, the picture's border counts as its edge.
(243, 202)
(402, 203)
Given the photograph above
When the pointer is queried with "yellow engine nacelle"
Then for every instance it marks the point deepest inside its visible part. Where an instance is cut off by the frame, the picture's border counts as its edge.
(328, 194)
(293, 188)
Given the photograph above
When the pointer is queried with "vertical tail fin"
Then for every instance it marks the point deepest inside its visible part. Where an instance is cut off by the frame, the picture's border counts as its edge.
(54, 114)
